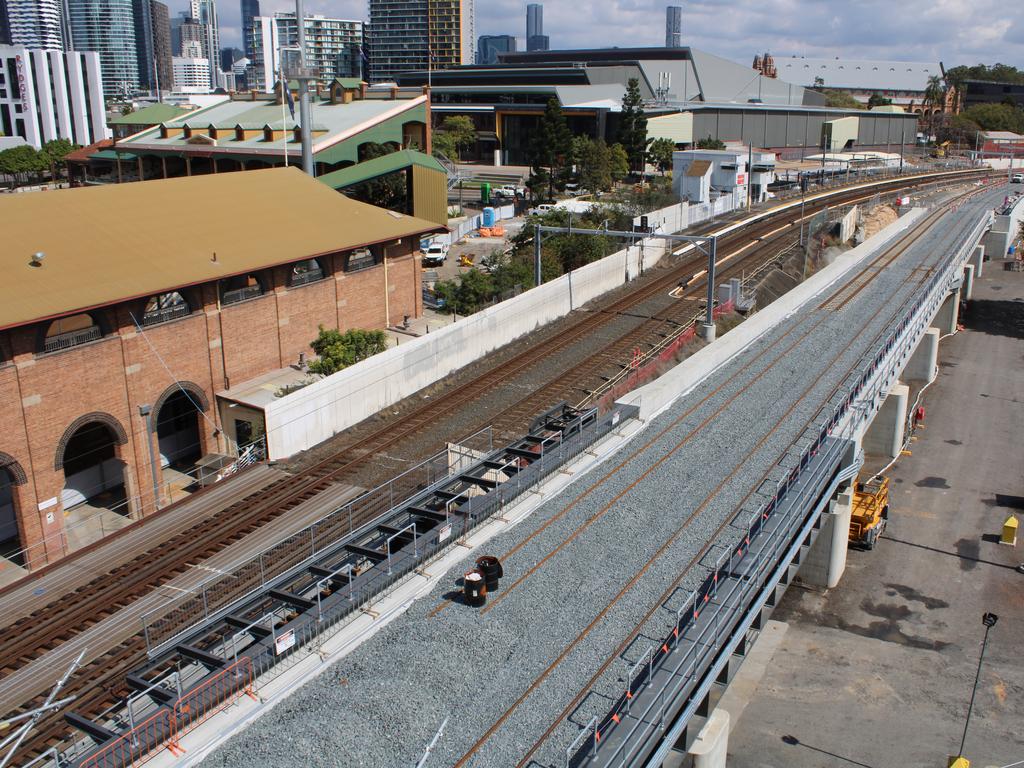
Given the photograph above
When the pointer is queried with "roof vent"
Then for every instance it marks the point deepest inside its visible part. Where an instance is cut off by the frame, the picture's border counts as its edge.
(37, 259)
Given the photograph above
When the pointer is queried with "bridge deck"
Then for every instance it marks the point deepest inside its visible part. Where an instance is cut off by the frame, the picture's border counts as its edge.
(593, 568)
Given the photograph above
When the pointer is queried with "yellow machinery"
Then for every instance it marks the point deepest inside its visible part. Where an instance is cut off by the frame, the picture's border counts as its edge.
(941, 149)
(870, 512)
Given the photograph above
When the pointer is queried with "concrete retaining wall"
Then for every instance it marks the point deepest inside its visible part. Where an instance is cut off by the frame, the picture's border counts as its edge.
(655, 397)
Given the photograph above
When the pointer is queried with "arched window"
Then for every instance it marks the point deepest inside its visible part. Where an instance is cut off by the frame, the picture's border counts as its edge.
(305, 272)
(164, 307)
(67, 332)
(239, 288)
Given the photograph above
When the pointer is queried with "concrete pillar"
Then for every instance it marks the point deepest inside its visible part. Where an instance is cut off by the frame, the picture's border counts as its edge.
(885, 435)
(978, 259)
(826, 559)
(948, 313)
(968, 287)
(710, 748)
(924, 361)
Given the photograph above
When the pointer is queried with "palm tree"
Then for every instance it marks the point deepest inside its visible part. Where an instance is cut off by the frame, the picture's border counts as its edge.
(934, 98)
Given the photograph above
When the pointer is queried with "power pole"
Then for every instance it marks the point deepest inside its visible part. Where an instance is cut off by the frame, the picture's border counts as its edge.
(304, 106)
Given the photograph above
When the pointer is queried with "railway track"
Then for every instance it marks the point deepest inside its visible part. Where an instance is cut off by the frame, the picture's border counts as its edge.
(99, 683)
(786, 342)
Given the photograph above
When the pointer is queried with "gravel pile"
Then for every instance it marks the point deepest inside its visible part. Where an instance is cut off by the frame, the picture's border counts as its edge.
(382, 704)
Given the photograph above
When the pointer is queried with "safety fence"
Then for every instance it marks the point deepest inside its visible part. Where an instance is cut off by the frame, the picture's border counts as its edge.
(178, 614)
(164, 727)
(292, 642)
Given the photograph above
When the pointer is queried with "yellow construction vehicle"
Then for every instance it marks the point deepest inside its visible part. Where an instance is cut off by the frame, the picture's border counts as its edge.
(870, 512)
(941, 150)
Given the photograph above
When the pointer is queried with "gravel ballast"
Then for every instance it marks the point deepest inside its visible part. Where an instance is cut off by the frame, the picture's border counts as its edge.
(382, 704)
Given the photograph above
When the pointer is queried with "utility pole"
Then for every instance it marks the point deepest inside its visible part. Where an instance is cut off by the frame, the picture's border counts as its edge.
(304, 105)
(903, 138)
(989, 620)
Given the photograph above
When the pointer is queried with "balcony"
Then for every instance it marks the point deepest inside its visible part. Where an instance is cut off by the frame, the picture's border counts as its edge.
(244, 293)
(162, 315)
(70, 339)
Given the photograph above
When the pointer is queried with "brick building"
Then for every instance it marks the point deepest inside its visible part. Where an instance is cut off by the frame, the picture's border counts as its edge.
(126, 309)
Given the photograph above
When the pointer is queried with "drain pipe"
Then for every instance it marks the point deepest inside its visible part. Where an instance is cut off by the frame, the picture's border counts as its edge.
(145, 411)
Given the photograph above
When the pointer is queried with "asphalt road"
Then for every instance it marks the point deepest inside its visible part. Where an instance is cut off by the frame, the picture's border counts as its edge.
(878, 672)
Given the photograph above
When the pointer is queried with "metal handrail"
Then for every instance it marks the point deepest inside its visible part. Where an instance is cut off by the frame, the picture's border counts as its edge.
(70, 339)
(163, 314)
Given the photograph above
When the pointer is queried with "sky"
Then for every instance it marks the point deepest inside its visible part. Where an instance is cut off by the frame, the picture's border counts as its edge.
(951, 31)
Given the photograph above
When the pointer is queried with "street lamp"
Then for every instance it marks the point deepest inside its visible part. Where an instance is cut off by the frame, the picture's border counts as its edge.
(989, 620)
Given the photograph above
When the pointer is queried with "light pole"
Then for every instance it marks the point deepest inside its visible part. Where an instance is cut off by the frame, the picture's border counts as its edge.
(989, 620)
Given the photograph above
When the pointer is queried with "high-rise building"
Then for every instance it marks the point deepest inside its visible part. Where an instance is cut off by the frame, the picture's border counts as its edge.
(5, 26)
(674, 27)
(205, 12)
(489, 46)
(332, 45)
(409, 35)
(185, 29)
(51, 95)
(250, 10)
(536, 40)
(34, 23)
(191, 74)
(153, 44)
(228, 57)
(108, 28)
(162, 44)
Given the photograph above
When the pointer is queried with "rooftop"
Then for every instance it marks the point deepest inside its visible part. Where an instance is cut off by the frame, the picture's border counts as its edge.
(859, 73)
(118, 242)
(151, 115)
(336, 122)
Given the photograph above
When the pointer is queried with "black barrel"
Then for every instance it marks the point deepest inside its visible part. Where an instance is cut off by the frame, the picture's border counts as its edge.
(474, 586)
(491, 568)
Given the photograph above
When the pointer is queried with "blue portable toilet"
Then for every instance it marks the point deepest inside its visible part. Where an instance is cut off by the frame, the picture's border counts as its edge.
(489, 217)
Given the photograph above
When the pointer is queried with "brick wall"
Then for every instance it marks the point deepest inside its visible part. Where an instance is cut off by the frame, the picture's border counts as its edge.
(41, 395)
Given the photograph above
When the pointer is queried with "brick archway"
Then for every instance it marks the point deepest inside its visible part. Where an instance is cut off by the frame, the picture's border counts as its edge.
(14, 469)
(195, 392)
(120, 436)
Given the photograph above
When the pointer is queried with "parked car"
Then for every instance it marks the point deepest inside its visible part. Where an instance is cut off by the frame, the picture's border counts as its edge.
(435, 255)
(1017, 178)
(508, 191)
(540, 210)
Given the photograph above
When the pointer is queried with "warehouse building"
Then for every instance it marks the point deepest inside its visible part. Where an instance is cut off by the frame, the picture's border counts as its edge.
(116, 351)
(689, 94)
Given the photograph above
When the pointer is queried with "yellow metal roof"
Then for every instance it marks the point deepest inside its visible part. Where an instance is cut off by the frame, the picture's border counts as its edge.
(106, 244)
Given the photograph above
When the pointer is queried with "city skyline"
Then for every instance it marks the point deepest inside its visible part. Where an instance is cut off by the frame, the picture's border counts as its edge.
(955, 31)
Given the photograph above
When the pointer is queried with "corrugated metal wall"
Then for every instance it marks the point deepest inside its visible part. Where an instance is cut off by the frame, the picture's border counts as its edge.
(783, 128)
(429, 195)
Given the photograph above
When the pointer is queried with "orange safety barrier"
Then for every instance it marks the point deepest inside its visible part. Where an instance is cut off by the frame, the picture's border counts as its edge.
(213, 696)
(137, 746)
(162, 729)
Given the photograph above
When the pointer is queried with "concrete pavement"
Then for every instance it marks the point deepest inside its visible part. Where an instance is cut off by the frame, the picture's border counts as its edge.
(878, 672)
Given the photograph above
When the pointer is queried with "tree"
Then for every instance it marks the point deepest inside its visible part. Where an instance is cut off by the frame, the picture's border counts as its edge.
(336, 351)
(710, 143)
(385, 191)
(22, 161)
(633, 126)
(934, 97)
(593, 163)
(551, 148)
(54, 153)
(457, 133)
(878, 100)
(958, 129)
(840, 100)
(618, 162)
(660, 153)
(996, 117)
(472, 291)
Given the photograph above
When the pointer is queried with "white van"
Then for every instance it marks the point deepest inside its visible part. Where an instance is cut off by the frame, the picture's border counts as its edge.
(1017, 178)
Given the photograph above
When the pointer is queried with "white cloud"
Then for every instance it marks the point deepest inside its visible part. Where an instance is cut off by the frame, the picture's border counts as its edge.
(952, 31)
